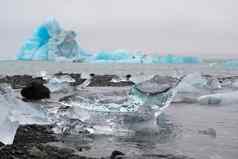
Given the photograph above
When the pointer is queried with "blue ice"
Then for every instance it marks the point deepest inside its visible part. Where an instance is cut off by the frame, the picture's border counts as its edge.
(51, 42)
(173, 59)
(231, 64)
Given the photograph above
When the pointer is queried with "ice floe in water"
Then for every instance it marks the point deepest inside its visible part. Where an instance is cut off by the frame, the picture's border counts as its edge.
(219, 98)
(51, 42)
(120, 109)
(231, 64)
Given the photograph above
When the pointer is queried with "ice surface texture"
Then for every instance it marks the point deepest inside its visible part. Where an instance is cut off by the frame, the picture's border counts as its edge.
(15, 112)
(51, 42)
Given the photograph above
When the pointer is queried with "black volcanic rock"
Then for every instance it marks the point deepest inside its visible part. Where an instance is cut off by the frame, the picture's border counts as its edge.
(40, 142)
(38, 151)
(128, 77)
(116, 155)
(27, 134)
(1, 144)
(35, 91)
(106, 81)
(20, 81)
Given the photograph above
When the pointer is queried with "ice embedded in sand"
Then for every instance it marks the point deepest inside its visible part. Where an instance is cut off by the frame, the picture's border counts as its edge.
(15, 112)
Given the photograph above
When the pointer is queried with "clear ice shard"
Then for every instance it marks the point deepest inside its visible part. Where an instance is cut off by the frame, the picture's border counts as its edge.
(15, 112)
(122, 109)
(195, 85)
(219, 98)
(60, 83)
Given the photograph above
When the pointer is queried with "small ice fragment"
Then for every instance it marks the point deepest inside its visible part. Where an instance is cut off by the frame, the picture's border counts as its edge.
(219, 98)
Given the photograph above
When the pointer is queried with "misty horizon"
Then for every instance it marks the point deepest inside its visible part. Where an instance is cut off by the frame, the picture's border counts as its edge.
(198, 28)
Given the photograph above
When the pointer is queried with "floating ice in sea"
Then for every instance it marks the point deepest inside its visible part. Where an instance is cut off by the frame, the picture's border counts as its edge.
(195, 85)
(219, 98)
(122, 108)
(173, 59)
(60, 83)
(51, 42)
(15, 112)
(231, 64)
(117, 56)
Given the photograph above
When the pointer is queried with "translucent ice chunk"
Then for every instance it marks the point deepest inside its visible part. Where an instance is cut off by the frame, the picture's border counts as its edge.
(15, 112)
(122, 109)
(60, 83)
(219, 98)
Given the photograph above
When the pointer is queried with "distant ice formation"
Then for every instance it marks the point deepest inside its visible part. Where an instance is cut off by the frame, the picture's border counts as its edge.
(51, 42)
(231, 64)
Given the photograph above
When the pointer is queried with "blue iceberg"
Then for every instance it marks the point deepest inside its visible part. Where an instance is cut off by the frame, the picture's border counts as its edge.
(50, 42)
(117, 56)
(173, 59)
(231, 64)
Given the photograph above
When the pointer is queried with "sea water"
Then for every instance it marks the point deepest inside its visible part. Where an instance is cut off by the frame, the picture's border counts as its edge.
(182, 126)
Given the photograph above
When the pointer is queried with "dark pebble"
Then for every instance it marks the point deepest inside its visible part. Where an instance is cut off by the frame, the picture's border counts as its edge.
(35, 91)
(116, 155)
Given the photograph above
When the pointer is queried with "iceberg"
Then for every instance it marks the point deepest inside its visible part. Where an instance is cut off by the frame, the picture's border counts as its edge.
(231, 64)
(117, 56)
(173, 59)
(50, 42)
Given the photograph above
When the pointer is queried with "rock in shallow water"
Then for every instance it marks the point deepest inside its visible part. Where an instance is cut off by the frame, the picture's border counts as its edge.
(32, 142)
(38, 151)
(35, 91)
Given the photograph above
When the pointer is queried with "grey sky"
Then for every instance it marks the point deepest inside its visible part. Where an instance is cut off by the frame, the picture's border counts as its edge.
(198, 27)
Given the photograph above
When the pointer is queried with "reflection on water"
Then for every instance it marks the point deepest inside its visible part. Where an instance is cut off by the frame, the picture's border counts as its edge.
(140, 142)
(178, 131)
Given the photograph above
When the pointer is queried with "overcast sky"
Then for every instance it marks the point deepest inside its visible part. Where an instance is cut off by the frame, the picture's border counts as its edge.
(198, 27)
